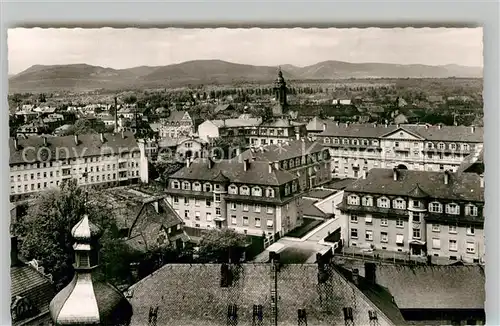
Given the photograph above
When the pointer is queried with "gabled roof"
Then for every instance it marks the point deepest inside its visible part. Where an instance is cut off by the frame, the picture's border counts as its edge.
(200, 300)
(434, 287)
(176, 116)
(309, 209)
(417, 192)
(258, 172)
(284, 151)
(463, 186)
(316, 124)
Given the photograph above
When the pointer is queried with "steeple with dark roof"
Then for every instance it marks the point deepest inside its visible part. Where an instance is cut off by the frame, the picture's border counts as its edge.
(86, 301)
(280, 92)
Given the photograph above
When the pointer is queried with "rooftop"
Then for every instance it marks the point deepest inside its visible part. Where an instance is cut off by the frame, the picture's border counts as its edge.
(320, 193)
(234, 123)
(284, 151)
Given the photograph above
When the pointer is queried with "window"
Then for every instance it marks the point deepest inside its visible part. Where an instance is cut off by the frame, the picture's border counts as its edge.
(470, 230)
(270, 209)
(465, 147)
(430, 145)
(186, 185)
(217, 198)
(435, 207)
(471, 247)
(217, 210)
(400, 223)
(441, 145)
(245, 220)
(416, 233)
(175, 184)
(197, 202)
(269, 223)
(471, 210)
(353, 200)
(175, 199)
(257, 222)
(208, 203)
(232, 206)
(197, 216)
(383, 202)
(399, 239)
(208, 216)
(452, 229)
(186, 214)
(384, 222)
(233, 190)
(245, 207)
(399, 203)
(256, 191)
(453, 245)
(453, 209)
(354, 233)
(368, 219)
(436, 228)
(436, 243)
(369, 235)
(396, 144)
(257, 208)
(269, 192)
(244, 190)
(354, 218)
(384, 237)
(367, 201)
(186, 201)
(207, 187)
(233, 219)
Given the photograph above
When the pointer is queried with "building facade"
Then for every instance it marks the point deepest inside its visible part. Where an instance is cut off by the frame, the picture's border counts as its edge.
(361, 147)
(178, 124)
(436, 214)
(250, 197)
(41, 163)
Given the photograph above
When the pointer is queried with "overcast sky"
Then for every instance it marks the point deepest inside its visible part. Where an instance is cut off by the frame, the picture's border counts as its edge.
(125, 48)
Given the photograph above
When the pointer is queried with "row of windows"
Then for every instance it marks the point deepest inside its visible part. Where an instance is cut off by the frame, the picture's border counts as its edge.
(257, 221)
(384, 221)
(384, 236)
(470, 245)
(93, 159)
(232, 189)
(256, 208)
(470, 230)
(233, 206)
(348, 141)
(400, 203)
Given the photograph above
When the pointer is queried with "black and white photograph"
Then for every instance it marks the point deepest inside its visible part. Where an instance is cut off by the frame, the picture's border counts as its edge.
(246, 176)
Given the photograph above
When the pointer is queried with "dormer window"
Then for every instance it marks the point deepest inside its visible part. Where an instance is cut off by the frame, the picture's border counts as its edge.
(327, 140)
(383, 202)
(256, 191)
(186, 185)
(294, 186)
(269, 192)
(465, 147)
(453, 146)
(197, 186)
(287, 190)
(435, 207)
(353, 200)
(441, 145)
(399, 203)
(291, 164)
(207, 187)
(367, 201)
(430, 145)
(244, 190)
(355, 142)
(175, 184)
(336, 141)
(452, 209)
(471, 210)
(345, 141)
(233, 190)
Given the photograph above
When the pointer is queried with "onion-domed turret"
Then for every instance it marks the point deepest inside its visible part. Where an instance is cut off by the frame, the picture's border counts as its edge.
(87, 301)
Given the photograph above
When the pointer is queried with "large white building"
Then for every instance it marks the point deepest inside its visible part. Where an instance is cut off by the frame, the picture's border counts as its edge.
(40, 163)
(361, 147)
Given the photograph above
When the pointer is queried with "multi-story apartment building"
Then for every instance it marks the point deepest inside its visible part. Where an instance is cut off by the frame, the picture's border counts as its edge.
(179, 123)
(250, 197)
(421, 213)
(309, 160)
(40, 163)
(361, 147)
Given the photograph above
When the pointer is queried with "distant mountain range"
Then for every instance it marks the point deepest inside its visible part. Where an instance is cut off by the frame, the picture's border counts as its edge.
(80, 77)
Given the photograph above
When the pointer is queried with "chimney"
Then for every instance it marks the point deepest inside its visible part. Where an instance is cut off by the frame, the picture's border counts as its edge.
(188, 162)
(426, 126)
(337, 123)
(246, 164)
(324, 126)
(44, 141)
(395, 174)
(481, 180)
(210, 163)
(16, 143)
(365, 174)
(297, 136)
(386, 125)
(14, 254)
(355, 276)
(472, 129)
(446, 177)
(270, 167)
(370, 273)
(102, 137)
(375, 125)
(76, 139)
(439, 126)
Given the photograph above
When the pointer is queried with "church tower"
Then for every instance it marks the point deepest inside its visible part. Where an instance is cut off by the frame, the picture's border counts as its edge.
(280, 94)
(87, 301)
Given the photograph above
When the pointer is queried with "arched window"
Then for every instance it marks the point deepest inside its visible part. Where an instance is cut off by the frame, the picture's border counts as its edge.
(353, 200)
(367, 201)
(175, 184)
(327, 140)
(399, 203)
(383, 202)
(207, 187)
(244, 190)
(233, 190)
(471, 210)
(430, 145)
(291, 164)
(355, 142)
(465, 147)
(452, 209)
(441, 145)
(453, 146)
(186, 185)
(197, 186)
(270, 192)
(435, 207)
(256, 191)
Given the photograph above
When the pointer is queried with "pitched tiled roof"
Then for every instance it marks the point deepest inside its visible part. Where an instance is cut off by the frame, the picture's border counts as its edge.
(31, 284)
(249, 122)
(192, 295)
(320, 193)
(65, 147)
(463, 186)
(431, 133)
(258, 172)
(284, 151)
(434, 287)
(316, 124)
(176, 116)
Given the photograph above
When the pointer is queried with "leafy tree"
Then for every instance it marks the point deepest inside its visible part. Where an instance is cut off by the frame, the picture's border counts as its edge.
(85, 126)
(220, 245)
(130, 99)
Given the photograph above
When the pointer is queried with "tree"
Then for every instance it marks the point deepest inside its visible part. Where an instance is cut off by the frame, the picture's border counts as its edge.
(45, 231)
(220, 245)
(85, 126)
